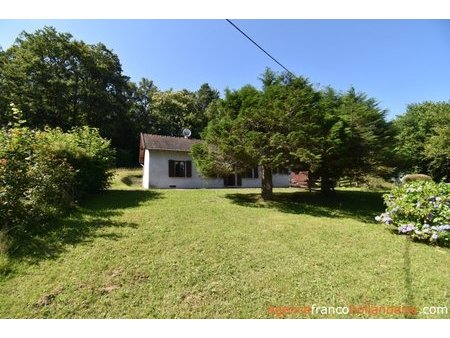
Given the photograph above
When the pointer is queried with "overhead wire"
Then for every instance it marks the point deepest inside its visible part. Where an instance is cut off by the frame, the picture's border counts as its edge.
(262, 49)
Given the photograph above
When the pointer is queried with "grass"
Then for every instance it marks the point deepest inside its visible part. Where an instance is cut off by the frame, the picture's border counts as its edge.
(219, 253)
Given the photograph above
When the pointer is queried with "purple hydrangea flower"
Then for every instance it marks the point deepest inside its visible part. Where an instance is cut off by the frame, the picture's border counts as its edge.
(434, 237)
(410, 227)
(442, 228)
(404, 229)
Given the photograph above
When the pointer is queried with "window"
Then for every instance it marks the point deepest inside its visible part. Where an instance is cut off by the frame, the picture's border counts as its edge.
(180, 168)
(251, 173)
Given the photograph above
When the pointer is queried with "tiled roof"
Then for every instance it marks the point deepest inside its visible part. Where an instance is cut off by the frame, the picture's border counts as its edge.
(158, 142)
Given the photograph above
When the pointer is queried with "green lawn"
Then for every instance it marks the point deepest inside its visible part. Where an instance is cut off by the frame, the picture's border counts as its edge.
(222, 253)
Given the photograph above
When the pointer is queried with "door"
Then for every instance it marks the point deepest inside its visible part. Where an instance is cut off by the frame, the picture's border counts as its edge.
(233, 180)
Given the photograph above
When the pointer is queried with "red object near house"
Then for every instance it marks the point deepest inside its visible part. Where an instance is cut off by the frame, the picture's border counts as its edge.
(299, 179)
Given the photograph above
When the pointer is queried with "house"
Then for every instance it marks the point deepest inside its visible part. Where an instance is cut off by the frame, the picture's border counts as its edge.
(167, 163)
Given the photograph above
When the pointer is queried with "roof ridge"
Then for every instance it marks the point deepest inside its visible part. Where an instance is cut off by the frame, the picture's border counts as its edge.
(168, 136)
(164, 142)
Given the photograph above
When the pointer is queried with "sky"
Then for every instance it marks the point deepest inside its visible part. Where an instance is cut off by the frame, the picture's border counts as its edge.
(397, 62)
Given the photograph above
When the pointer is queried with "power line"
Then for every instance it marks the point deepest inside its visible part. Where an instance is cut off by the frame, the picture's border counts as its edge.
(265, 52)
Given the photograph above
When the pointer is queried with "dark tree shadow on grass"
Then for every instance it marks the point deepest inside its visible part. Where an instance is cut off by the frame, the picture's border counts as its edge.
(49, 240)
(360, 205)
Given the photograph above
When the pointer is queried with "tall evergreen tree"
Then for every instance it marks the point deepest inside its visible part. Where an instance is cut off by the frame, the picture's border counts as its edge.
(289, 124)
(254, 128)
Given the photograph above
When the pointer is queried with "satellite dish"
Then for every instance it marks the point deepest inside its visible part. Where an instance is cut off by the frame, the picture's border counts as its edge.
(186, 132)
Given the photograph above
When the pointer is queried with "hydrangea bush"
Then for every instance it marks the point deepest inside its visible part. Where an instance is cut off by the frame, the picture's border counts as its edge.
(420, 210)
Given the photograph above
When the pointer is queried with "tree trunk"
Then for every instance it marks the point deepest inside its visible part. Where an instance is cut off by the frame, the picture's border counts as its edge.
(326, 185)
(266, 183)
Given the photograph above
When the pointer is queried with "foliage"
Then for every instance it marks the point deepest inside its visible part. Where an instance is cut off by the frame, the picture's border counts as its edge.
(211, 162)
(420, 210)
(173, 111)
(42, 172)
(60, 82)
(87, 152)
(348, 136)
(169, 112)
(35, 184)
(423, 139)
(437, 150)
(255, 128)
(142, 104)
(57, 81)
(290, 124)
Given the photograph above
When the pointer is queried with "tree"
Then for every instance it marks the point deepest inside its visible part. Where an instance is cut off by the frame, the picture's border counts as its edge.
(290, 124)
(142, 104)
(323, 140)
(172, 111)
(205, 97)
(253, 128)
(437, 150)
(422, 139)
(57, 81)
(351, 137)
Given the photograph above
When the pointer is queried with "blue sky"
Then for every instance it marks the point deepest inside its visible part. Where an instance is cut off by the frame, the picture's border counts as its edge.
(395, 61)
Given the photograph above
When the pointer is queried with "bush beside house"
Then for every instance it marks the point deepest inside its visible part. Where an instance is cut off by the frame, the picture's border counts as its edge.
(43, 173)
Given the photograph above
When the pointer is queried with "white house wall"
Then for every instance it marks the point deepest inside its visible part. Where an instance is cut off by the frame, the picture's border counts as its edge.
(159, 172)
(156, 173)
(145, 174)
(279, 180)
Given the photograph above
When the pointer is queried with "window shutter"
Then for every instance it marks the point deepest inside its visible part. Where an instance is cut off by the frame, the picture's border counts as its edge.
(171, 168)
(255, 170)
(188, 168)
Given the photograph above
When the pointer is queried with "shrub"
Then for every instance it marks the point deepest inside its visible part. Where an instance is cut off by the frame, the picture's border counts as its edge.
(42, 173)
(421, 210)
(88, 153)
(35, 185)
